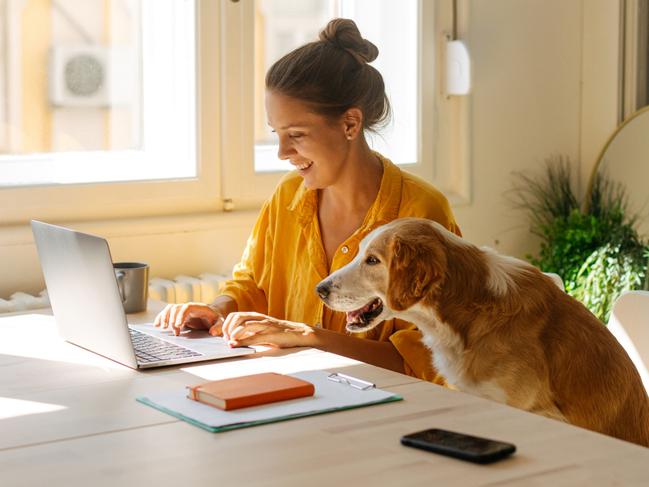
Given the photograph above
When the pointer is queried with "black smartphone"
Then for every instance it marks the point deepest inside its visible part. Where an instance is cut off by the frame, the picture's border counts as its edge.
(459, 445)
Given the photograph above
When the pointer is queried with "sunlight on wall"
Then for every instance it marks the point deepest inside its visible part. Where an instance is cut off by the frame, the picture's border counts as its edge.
(12, 408)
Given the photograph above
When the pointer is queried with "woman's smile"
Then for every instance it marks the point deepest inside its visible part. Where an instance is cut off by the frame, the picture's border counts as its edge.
(303, 166)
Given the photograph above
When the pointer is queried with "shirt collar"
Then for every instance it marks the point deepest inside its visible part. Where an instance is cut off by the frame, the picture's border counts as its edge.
(304, 203)
(384, 209)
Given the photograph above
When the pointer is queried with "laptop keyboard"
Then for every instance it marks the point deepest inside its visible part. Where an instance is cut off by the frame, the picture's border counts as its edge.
(151, 349)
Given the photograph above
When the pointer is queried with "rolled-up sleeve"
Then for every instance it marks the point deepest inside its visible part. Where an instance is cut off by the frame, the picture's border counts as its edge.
(417, 357)
(243, 287)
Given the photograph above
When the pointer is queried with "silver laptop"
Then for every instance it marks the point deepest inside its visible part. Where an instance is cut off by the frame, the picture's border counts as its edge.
(87, 306)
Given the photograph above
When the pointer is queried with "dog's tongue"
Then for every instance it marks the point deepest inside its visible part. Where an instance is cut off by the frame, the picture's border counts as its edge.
(355, 316)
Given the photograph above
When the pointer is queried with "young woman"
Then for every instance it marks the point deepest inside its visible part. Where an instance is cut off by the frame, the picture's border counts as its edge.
(320, 99)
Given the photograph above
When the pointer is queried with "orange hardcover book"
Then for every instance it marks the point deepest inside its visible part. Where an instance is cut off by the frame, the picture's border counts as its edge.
(250, 390)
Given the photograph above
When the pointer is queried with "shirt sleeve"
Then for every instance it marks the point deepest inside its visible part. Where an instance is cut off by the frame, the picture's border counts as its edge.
(243, 287)
(417, 357)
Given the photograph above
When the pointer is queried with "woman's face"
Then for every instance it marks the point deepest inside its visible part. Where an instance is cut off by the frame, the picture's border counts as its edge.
(316, 145)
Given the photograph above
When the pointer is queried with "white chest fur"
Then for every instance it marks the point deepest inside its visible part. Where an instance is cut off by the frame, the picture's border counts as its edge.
(447, 351)
(449, 357)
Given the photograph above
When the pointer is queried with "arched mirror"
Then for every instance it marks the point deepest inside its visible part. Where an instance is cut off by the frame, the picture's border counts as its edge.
(625, 160)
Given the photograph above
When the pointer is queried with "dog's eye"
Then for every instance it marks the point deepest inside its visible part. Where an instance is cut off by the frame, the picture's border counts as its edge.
(371, 260)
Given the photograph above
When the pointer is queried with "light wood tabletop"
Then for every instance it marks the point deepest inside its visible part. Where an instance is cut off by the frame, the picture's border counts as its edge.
(69, 417)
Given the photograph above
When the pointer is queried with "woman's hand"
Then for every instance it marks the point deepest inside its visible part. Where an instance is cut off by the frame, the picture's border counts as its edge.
(197, 316)
(249, 328)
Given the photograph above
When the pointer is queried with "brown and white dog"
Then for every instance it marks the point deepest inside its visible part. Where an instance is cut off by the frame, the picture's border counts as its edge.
(497, 326)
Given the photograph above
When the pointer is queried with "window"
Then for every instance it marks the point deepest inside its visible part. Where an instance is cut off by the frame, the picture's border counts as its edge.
(635, 70)
(270, 29)
(111, 103)
(391, 25)
(109, 94)
(409, 35)
(112, 109)
(643, 55)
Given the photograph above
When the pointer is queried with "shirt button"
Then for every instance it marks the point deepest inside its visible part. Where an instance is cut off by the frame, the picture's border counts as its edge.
(345, 249)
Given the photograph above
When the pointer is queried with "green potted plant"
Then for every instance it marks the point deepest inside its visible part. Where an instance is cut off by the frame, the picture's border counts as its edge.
(594, 247)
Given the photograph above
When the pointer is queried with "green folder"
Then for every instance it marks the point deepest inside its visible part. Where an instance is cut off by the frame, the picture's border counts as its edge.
(333, 392)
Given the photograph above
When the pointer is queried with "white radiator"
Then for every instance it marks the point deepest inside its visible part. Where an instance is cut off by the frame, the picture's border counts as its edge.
(22, 301)
(182, 289)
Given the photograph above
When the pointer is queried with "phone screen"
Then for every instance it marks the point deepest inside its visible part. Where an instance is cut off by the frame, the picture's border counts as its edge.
(459, 445)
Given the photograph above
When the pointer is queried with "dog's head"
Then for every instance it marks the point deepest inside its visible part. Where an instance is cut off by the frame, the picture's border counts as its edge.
(398, 265)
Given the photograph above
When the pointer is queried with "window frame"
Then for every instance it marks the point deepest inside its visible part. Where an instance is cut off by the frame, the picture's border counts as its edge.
(443, 156)
(128, 199)
(634, 57)
(226, 179)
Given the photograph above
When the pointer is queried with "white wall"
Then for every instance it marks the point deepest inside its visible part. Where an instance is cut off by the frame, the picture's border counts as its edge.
(525, 106)
(528, 103)
(545, 76)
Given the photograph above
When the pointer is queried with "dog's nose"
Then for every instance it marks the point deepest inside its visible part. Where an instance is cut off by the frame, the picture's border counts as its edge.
(323, 290)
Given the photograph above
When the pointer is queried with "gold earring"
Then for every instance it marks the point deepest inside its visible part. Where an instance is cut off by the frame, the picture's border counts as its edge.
(349, 136)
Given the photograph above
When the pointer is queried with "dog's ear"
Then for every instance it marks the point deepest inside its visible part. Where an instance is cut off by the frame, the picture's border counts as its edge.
(414, 267)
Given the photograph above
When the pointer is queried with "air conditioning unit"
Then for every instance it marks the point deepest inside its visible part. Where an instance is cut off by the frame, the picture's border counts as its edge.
(91, 76)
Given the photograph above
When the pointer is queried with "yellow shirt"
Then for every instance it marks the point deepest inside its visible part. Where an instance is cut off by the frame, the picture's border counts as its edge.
(284, 258)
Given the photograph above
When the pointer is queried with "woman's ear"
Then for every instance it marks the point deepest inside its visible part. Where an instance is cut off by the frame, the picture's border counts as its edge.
(414, 268)
(352, 123)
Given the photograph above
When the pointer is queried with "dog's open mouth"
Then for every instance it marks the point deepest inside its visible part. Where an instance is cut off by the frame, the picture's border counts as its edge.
(363, 316)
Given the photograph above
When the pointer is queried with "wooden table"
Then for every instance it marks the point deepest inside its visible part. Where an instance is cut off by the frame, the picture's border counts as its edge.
(69, 417)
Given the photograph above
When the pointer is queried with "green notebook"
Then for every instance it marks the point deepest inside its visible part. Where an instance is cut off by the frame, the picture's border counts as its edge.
(333, 392)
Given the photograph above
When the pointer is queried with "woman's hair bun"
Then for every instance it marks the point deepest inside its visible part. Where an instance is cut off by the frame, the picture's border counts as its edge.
(332, 75)
(344, 34)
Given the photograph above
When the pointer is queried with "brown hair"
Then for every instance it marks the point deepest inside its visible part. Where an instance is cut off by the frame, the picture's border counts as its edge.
(332, 75)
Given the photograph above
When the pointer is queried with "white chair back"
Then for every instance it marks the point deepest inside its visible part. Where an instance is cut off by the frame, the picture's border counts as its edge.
(557, 279)
(629, 323)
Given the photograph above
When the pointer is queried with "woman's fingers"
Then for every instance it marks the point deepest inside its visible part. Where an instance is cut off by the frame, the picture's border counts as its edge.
(197, 323)
(162, 320)
(184, 314)
(262, 333)
(191, 315)
(217, 328)
(247, 329)
(175, 315)
(233, 320)
(240, 329)
(256, 339)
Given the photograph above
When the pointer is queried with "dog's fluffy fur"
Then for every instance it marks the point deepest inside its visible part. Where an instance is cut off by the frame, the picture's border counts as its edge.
(497, 326)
